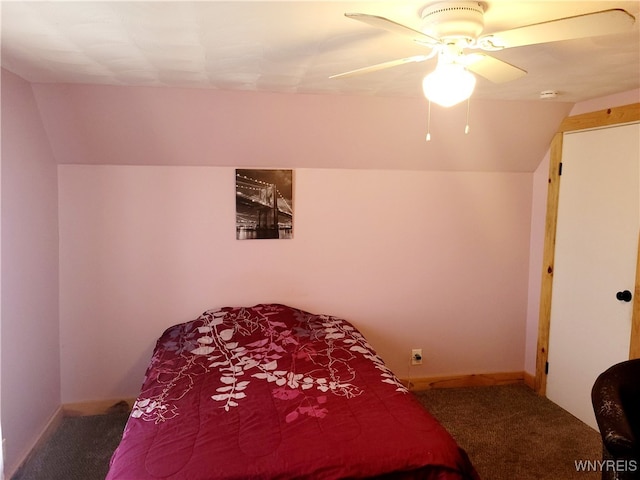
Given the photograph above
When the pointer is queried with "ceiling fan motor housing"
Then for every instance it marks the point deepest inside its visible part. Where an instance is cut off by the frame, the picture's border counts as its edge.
(454, 20)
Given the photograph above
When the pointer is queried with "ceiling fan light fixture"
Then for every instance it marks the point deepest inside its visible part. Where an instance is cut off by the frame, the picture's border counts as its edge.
(449, 84)
(453, 20)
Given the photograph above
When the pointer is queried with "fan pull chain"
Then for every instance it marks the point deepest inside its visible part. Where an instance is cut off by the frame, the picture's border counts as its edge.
(428, 137)
(466, 127)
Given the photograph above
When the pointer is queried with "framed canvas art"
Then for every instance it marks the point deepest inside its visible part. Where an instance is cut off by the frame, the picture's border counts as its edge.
(264, 204)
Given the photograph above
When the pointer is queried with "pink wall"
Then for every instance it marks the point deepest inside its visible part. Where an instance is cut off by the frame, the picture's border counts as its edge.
(415, 256)
(538, 218)
(436, 260)
(170, 126)
(618, 99)
(30, 334)
(540, 184)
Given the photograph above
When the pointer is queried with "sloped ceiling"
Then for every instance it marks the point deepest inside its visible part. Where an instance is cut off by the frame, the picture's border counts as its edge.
(100, 124)
(276, 47)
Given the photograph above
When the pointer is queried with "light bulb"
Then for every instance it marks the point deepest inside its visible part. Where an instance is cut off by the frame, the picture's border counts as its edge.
(448, 84)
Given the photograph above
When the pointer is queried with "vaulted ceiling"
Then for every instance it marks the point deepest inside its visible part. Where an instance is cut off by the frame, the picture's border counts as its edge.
(269, 47)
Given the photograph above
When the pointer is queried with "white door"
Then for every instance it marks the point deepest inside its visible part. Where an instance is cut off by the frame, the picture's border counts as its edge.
(595, 258)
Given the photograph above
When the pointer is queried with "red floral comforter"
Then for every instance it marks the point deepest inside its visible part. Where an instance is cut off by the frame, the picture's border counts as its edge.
(272, 392)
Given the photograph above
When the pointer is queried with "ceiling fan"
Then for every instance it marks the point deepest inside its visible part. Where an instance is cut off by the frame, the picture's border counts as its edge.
(451, 28)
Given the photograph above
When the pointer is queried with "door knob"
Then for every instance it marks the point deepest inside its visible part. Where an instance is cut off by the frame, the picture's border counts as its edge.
(624, 296)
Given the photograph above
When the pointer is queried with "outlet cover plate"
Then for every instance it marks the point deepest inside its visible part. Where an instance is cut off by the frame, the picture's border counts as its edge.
(416, 356)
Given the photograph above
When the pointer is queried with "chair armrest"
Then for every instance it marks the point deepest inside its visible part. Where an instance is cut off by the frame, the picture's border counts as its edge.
(615, 429)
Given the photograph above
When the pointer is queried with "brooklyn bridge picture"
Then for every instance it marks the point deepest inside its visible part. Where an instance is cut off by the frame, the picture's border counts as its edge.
(264, 204)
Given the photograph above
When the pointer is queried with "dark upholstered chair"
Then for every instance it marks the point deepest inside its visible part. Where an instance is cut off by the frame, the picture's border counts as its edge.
(616, 404)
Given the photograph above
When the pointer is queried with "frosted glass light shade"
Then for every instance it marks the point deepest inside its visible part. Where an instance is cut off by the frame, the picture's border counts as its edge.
(448, 84)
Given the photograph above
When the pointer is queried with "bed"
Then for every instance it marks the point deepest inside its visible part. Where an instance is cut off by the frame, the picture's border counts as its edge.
(273, 392)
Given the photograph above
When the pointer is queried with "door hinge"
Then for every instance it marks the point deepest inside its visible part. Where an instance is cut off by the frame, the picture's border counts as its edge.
(546, 368)
(560, 169)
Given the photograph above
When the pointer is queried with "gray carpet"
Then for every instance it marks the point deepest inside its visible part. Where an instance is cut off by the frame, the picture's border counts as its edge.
(80, 449)
(508, 431)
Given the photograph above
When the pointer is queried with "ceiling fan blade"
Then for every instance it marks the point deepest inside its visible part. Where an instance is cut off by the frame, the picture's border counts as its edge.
(390, 25)
(381, 66)
(588, 25)
(492, 68)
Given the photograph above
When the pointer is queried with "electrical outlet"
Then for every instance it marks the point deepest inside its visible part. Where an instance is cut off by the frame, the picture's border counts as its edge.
(416, 356)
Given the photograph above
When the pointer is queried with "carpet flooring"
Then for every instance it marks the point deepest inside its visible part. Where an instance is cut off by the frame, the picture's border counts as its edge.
(508, 431)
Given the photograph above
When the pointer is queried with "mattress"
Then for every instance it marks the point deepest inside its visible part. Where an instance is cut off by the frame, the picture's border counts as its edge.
(274, 392)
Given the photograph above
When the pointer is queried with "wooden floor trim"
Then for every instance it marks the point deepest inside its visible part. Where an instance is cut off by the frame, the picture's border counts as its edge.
(634, 343)
(99, 407)
(471, 380)
(530, 380)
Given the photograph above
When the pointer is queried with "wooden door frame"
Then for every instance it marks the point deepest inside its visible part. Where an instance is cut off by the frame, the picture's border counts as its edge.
(600, 118)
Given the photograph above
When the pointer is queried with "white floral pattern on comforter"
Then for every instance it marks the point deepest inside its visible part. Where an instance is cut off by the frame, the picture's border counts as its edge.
(271, 392)
(314, 352)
